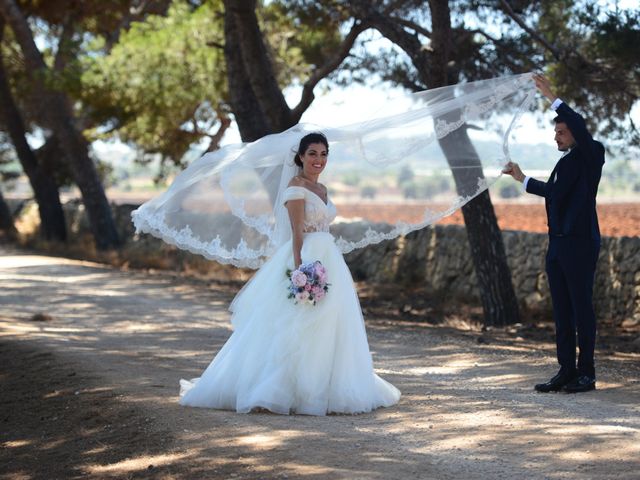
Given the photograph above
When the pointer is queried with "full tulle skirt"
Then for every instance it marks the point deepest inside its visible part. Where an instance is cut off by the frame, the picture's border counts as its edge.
(294, 358)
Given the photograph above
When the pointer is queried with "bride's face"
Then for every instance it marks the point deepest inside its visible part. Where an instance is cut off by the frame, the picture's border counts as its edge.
(314, 159)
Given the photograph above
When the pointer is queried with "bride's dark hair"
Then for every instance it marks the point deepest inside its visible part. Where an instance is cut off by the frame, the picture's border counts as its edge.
(315, 137)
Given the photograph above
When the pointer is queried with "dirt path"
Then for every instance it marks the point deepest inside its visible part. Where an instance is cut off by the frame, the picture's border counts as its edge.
(91, 392)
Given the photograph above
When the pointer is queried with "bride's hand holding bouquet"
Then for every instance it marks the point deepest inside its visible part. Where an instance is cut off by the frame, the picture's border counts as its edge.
(308, 283)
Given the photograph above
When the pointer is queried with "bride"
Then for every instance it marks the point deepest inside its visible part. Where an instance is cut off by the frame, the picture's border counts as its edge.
(296, 358)
(257, 205)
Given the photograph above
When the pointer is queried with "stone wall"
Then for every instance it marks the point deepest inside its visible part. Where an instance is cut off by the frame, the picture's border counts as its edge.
(436, 258)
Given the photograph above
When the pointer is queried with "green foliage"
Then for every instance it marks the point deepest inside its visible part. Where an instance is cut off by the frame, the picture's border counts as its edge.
(600, 68)
(352, 179)
(620, 177)
(310, 31)
(153, 73)
(427, 187)
(588, 48)
(282, 37)
(405, 175)
(368, 191)
(162, 86)
(95, 16)
(410, 190)
(106, 172)
(510, 190)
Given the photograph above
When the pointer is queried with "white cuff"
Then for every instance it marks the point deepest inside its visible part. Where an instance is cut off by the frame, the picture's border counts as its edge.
(525, 181)
(555, 104)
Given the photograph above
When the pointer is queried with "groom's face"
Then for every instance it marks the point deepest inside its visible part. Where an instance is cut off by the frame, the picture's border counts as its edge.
(563, 137)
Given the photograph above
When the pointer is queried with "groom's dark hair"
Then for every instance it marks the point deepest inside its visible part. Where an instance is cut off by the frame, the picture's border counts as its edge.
(563, 119)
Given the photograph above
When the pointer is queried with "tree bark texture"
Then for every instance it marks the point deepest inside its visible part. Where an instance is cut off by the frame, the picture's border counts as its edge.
(58, 114)
(6, 219)
(256, 98)
(258, 65)
(52, 223)
(252, 123)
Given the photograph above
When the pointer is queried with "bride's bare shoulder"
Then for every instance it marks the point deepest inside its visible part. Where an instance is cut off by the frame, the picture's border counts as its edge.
(296, 181)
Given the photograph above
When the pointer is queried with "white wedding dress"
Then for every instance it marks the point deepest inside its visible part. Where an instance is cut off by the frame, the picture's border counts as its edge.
(295, 358)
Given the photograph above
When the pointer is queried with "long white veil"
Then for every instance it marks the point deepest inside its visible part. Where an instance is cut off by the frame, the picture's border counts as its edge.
(423, 156)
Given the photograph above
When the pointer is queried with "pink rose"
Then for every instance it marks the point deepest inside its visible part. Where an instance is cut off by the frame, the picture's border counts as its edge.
(319, 295)
(300, 297)
(298, 278)
(307, 287)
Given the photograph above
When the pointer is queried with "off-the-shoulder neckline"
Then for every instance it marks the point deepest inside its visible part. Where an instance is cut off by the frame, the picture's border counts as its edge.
(326, 204)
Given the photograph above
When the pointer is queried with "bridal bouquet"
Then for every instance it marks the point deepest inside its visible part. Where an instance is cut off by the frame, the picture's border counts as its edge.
(308, 283)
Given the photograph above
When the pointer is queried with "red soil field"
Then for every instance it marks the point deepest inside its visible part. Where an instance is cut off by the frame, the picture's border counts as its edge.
(616, 219)
(620, 219)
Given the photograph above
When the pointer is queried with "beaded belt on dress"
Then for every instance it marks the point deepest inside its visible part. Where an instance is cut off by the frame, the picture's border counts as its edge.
(315, 228)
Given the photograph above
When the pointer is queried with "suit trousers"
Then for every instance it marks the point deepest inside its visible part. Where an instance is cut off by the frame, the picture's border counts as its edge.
(571, 265)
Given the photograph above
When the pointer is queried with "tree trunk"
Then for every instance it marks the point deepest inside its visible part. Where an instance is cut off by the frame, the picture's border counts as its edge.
(258, 65)
(498, 297)
(256, 98)
(251, 121)
(485, 239)
(52, 224)
(58, 113)
(6, 219)
(249, 114)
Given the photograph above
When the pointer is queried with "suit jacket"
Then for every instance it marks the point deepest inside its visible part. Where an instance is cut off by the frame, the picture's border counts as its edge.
(570, 192)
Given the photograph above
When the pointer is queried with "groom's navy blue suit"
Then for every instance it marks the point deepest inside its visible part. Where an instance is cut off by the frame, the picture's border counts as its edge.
(574, 242)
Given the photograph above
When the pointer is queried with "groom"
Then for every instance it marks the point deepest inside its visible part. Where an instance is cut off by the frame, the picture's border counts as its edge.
(574, 242)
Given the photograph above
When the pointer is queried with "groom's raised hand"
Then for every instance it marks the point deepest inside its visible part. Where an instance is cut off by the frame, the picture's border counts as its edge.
(544, 85)
(514, 170)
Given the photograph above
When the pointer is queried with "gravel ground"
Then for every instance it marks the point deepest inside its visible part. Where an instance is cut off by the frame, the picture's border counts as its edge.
(89, 389)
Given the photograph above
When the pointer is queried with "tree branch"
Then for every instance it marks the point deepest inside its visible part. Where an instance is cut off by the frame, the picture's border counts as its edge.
(225, 122)
(397, 34)
(138, 12)
(65, 44)
(13, 17)
(535, 35)
(484, 34)
(393, 6)
(213, 44)
(413, 26)
(323, 71)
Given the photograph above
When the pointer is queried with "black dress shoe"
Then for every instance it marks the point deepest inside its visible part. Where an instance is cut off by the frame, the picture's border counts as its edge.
(583, 383)
(561, 379)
